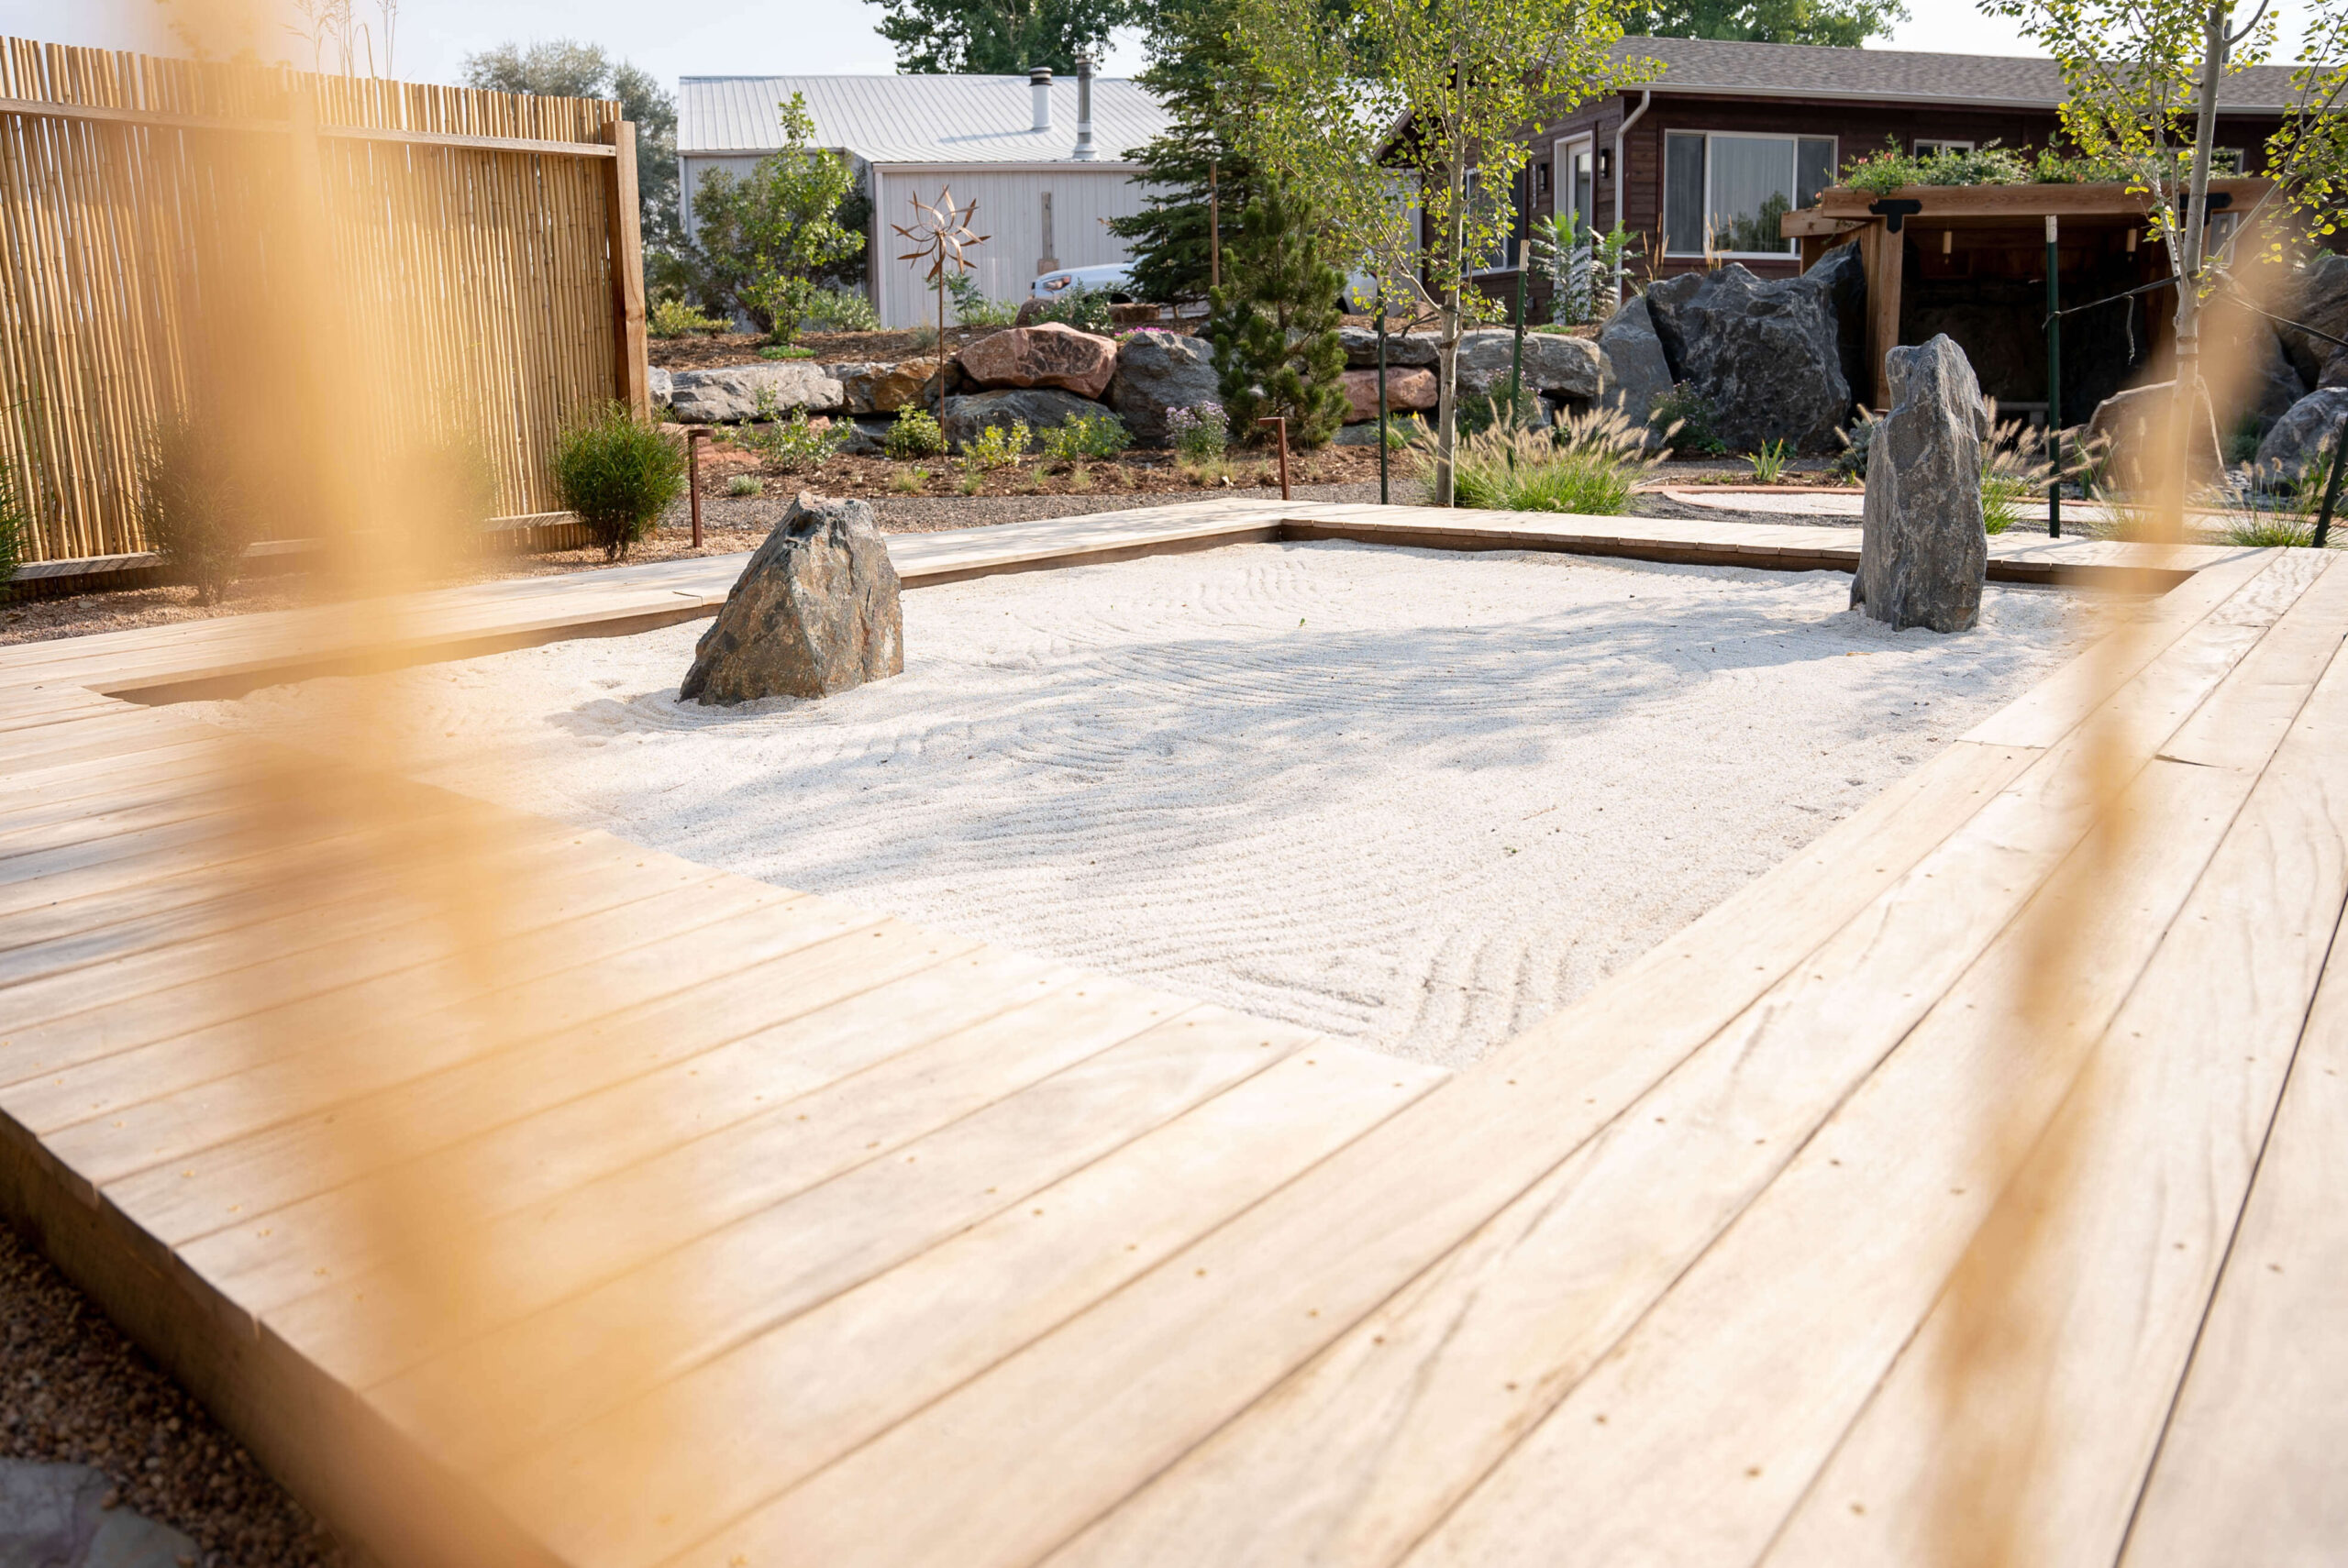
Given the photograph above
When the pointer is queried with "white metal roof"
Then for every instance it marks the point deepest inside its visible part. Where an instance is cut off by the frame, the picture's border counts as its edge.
(915, 119)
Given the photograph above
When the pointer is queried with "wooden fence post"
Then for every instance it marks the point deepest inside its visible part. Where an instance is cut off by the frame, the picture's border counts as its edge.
(630, 382)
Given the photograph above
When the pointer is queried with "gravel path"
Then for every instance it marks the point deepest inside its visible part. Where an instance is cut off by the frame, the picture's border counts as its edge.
(1415, 798)
(78, 1392)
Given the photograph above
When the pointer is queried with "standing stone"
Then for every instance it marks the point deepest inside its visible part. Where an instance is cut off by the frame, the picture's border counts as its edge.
(1923, 554)
(1632, 371)
(814, 613)
(1159, 371)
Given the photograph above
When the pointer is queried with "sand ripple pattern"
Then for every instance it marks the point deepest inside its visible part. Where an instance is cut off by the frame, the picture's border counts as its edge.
(1416, 799)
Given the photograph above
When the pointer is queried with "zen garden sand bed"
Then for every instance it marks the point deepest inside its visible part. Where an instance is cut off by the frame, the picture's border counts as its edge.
(1413, 798)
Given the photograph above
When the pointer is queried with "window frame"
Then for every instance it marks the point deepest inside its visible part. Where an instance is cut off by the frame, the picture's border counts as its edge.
(1508, 246)
(1794, 140)
(1940, 144)
(1561, 154)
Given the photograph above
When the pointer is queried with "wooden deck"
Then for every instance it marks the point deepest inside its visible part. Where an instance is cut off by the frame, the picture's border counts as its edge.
(794, 1235)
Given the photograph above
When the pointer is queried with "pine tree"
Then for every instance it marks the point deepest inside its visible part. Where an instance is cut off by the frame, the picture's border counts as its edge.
(1204, 84)
(1275, 324)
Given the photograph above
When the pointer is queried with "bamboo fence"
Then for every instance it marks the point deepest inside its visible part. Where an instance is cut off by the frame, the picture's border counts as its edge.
(488, 239)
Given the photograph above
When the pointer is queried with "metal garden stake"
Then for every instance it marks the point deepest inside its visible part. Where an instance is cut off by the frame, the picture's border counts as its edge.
(693, 438)
(1279, 426)
(2054, 388)
(1516, 359)
(1383, 499)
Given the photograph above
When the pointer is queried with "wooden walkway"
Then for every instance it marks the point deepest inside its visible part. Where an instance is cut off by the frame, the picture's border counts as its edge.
(785, 1235)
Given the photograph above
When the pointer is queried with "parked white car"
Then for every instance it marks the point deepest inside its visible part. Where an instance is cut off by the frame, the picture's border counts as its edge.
(1115, 278)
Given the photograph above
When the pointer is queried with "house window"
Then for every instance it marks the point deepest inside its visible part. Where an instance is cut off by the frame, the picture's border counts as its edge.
(1501, 210)
(2226, 162)
(1724, 194)
(1927, 146)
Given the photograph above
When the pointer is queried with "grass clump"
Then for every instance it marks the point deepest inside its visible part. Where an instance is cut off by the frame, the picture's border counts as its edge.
(743, 484)
(908, 482)
(1589, 465)
(916, 434)
(2013, 471)
(785, 351)
(1770, 462)
(618, 473)
(194, 507)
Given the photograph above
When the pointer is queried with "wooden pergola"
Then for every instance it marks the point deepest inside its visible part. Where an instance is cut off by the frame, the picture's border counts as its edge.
(1993, 231)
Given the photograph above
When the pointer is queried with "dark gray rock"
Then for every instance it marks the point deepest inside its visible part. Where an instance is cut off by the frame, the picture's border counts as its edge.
(2305, 433)
(1156, 371)
(1923, 553)
(2317, 297)
(2137, 437)
(54, 1515)
(1041, 407)
(1841, 276)
(1634, 371)
(729, 395)
(1767, 354)
(1415, 351)
(868, 436)
(814, 612)
(1562, 369)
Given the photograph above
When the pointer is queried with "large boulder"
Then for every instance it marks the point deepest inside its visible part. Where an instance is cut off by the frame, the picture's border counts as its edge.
(1632, 371)
(1405, 390)
(2132, 428)
(2304, 436)
(1923, 553)
(1040, 408)
(883, 387)
(814, 613)
(1556, 367)
(731, 394)
(1051, 355)
(1156, 371)
(2316, 296)
(661, 385)
(68, 1515)
(1415, 351)
(1766, 353)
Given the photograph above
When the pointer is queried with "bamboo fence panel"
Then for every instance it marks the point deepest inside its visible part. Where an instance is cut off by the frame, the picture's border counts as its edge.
(490, 272)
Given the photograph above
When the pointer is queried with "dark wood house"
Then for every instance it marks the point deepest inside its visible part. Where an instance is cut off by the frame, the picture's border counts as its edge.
(1705, 160)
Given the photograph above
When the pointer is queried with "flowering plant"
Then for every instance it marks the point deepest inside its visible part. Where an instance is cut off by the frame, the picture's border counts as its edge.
(1199, 432)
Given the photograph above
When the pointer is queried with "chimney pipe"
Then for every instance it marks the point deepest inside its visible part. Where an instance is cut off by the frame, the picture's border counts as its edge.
(1039, 84)
(1083, 105)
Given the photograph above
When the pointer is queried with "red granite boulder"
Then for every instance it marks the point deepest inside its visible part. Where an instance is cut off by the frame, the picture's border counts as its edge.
(1051, 355)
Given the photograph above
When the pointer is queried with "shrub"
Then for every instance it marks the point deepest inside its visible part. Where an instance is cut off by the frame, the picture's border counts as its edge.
(1101, 435)
(1277, 353)
(1890, 168)
(1082, 308)
(744, 484)
(785, 351)
(916, 434)
(766, 242)
(618, 473)
(840, 310)
(1590, 464)
(797, 444)
(973, 308)
(675, 319)
(1200, 433)
(193, 507)
(996, 447)
(1690, 416)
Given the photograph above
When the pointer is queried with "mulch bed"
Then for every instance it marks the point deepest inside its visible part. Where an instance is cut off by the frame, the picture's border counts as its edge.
(78, 1392)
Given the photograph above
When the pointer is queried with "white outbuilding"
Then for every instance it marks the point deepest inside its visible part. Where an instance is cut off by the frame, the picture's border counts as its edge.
(1046, 183)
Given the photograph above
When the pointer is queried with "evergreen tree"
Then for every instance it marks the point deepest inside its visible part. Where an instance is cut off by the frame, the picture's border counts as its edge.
(1205, 86)
(997, 37)
(1844, 24)
(1275, 324)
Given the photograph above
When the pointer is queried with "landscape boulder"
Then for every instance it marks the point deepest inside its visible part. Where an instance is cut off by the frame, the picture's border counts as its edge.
(1156, 371)
(68, 1515)
(2133, 430)
(1415, 350)
(2303, 437)
(730, 395)
(1923, 553)
(1053, 354)
(1767, 354)
(883, 387)
(814, 613)
(661, 385)
(1406, 391)
(1631, 369)
(1557, 368)
(2316, 296)
(1040, 407)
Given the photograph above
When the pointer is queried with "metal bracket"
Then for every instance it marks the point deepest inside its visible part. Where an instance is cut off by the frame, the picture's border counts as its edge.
(1895, 210)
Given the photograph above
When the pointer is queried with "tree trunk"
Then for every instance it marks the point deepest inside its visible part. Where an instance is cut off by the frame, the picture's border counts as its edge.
(1446, 409)
(2185, 389)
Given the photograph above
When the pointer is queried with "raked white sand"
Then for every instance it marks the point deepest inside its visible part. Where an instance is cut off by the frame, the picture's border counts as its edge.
(1412, 798)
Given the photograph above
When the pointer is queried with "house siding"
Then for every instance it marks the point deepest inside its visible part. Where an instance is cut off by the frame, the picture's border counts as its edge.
(1083, 200)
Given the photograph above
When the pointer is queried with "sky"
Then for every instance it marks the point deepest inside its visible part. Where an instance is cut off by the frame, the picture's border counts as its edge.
(727, 37)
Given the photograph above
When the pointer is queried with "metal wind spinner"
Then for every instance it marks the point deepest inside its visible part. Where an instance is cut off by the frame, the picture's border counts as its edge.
(941, 234)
